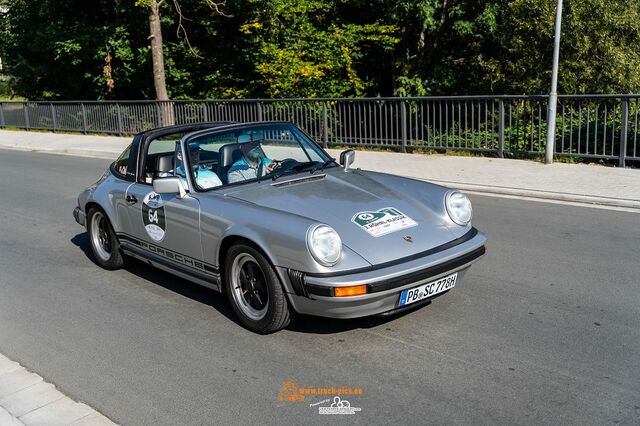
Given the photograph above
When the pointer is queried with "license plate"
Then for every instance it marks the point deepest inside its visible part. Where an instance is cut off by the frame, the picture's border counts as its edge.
(424, 291)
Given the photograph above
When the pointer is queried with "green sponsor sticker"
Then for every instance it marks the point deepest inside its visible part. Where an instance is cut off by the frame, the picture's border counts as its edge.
(383, 221)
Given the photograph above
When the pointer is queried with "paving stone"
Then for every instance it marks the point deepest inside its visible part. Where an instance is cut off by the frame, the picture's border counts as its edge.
(59, 413)
(31, 398)
(7, 366)
(95, 419)
(7, 419)
(17, 380)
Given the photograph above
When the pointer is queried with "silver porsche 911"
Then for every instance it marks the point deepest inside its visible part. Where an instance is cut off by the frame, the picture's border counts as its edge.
(261, 213)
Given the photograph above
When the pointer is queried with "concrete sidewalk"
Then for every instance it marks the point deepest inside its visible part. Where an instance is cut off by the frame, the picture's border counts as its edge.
(27, 400)
(578, 183)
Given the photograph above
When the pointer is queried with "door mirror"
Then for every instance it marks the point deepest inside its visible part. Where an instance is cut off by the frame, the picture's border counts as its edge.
(346, 158)
(169, 185)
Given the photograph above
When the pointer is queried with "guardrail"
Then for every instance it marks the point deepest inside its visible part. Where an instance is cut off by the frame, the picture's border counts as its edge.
(588, 126)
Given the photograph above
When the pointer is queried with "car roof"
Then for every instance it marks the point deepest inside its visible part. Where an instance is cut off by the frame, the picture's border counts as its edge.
(233, 126)
(186, 127)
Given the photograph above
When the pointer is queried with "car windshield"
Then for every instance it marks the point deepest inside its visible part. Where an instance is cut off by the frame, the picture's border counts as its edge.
(252, 153)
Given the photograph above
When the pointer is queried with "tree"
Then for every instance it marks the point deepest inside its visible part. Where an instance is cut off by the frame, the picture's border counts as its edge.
(155, 36)
(157, 55)
(63, 55)
(442, 44)
(305, 48)
(599, 52)
(72, 49)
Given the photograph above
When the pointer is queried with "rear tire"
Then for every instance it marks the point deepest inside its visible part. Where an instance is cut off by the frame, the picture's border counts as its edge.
(254, 290)
(103, 241)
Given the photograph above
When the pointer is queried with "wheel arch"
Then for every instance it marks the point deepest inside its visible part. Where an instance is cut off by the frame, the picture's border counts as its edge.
(95, 205)
(230, 240)
(116, 259)
(109, 212)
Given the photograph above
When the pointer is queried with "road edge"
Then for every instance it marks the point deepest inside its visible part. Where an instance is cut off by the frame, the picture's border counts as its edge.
(586, 200)
(27, 399)
(536, 195)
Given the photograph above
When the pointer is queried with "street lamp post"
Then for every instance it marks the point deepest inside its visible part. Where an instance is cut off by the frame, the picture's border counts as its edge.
(553, 95)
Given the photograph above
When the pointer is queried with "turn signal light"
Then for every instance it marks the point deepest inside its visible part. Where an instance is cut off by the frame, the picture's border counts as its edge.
(352, 290)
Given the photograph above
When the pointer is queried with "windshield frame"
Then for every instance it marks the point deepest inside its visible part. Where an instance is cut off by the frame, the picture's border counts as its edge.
(187, 139)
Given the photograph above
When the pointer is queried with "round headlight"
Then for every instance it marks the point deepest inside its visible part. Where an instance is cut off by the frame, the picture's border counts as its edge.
(324, 245)
(459, 207)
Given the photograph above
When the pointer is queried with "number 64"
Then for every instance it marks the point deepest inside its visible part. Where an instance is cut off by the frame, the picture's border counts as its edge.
(153, 216)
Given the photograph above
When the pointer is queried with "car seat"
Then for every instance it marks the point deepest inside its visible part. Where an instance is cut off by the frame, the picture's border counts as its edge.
(164, 164)
(229, 154)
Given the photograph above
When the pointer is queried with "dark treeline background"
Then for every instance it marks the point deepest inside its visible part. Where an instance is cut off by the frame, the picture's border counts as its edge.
(77, 49)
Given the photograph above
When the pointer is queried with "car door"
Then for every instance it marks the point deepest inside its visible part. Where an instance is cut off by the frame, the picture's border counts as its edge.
(165, 227)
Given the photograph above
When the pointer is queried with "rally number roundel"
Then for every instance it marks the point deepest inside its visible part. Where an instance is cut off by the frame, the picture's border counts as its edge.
(153, 216)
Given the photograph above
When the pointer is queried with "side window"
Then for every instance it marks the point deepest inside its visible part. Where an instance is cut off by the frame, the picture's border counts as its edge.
(120, 167)
(159, 160)
(205, 160)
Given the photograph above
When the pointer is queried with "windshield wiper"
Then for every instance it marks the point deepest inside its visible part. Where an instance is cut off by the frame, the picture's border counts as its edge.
(323, 165)
(294, 169)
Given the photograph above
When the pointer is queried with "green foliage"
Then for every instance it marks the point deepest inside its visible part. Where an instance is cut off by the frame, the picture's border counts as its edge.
(56, 49)
(5, 88)
(70, 49)
(299, 50)
(600, 47)
(442, 44)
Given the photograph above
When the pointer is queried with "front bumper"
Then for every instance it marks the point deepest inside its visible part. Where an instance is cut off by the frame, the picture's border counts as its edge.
(79, 216)
(313, 294)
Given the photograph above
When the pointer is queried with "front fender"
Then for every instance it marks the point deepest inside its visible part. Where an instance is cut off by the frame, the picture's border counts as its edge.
(280, 235)
(427, 193)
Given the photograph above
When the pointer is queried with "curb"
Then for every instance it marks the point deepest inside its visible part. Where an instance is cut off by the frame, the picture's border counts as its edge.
(106, 155)
(27, 400)
(588, 200)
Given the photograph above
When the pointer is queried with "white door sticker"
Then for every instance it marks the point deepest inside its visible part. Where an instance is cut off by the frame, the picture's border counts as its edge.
(153, 216)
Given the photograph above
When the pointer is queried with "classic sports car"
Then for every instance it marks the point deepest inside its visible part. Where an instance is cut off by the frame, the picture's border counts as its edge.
(261, 213)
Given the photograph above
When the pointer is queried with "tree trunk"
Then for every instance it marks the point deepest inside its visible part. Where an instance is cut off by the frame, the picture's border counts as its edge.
(155, 34)
(157, 57)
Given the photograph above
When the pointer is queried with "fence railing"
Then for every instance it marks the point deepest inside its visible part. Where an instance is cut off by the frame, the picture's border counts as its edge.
(588, 126)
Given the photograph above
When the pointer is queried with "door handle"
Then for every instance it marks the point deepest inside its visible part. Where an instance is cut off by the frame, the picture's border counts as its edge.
(131, 199)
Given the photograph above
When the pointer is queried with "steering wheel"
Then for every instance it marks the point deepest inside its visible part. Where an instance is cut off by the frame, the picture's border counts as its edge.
(278, 164)
(284, 164)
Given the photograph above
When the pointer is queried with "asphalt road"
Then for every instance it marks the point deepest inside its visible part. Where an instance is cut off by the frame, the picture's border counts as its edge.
(545, 329)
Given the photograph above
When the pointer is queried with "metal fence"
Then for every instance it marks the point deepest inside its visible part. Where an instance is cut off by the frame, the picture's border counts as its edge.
(588, 126)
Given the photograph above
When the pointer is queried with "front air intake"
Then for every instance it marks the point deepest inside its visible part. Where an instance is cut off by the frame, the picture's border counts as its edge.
(297, 282)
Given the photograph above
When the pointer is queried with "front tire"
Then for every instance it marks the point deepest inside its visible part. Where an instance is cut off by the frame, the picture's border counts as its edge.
(103, 241)
(254, 290)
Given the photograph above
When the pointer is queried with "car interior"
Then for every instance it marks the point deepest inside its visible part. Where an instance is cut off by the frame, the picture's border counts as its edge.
(216, 155)
(159, 164)
(229, 154)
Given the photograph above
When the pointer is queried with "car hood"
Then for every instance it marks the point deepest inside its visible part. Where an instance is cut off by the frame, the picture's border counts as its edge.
(378, 222)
